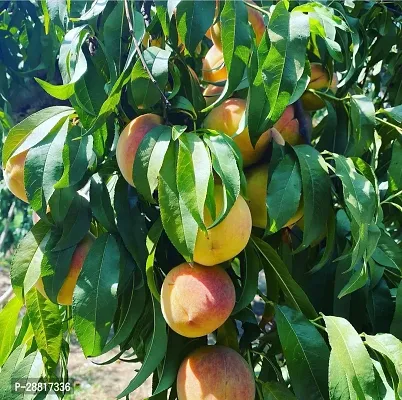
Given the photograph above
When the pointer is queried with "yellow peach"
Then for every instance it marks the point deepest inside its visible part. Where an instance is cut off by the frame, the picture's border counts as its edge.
(14, 175)
(227, 239)
(213, 66)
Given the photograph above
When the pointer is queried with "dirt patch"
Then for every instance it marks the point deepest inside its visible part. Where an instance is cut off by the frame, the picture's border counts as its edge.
(102, 382)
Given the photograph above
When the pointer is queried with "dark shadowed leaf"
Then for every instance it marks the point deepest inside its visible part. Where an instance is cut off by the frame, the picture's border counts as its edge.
(306, 353)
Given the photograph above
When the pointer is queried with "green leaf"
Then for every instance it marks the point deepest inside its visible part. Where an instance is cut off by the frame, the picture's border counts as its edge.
(284, 65)
(395, 168)
(55, 267)
(193, 172)
(25, 268)
(130, 222)
(391, 348)
(97, 8)
(29, 370)
(363, 123)
(77, 154)
(293, 292)
(157, 347)
(32, 130)
(329, 244)
(306, 353)
(359, 279)
(72, 64)
(58, 11)
(101, 204)
(46, 323)
(284, 191)
(225, 164)
(349, 360)
(131, 307)
(393, 112)
(8, 369)
(276, 391)
(316, 192)
(149, 159)
(358, 191)
(60, 204)
(144, 92)
(8, 325)
(153, 237)
(43, 166)
(236, 46)
(95, 297)
(194, 18)
(396, 326)
(249, 269)
(116, 37)
(76, 223)
(177, 220)
(178, 347)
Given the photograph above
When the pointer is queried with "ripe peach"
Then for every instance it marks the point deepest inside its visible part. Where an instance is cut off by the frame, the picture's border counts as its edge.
(129, 141)
(226, 118)
(213, 66)
(65, 296)
(211, 93)
(257, 181)
(196, 300)
(254, 18)
(227, 239)
(288, 127)
(14, 175)
(215, 373)
(319, 80)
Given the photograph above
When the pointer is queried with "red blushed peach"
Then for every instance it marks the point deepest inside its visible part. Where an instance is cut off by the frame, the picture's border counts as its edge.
(196, 299)
(288, 127)
(65, 296)
(227, 239)
(319, 80)
(129, 141)
(14, 175)
(215, 373)
(213, 66)
(226, 118)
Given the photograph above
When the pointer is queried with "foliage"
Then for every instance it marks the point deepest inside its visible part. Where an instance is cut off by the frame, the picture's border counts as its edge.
(330, 286)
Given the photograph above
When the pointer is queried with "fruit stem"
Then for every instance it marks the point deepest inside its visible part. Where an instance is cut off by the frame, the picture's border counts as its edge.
(138, 50)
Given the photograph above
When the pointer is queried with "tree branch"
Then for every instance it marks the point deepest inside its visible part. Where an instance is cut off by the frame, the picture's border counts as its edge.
(137, 48)
(10, 216)
(6, 295)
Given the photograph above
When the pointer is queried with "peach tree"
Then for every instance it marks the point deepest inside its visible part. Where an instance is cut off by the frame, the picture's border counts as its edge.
(217, 195)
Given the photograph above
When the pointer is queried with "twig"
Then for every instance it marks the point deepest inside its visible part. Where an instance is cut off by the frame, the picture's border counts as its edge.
(6, 295)
(137, 48)
(10, 216)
